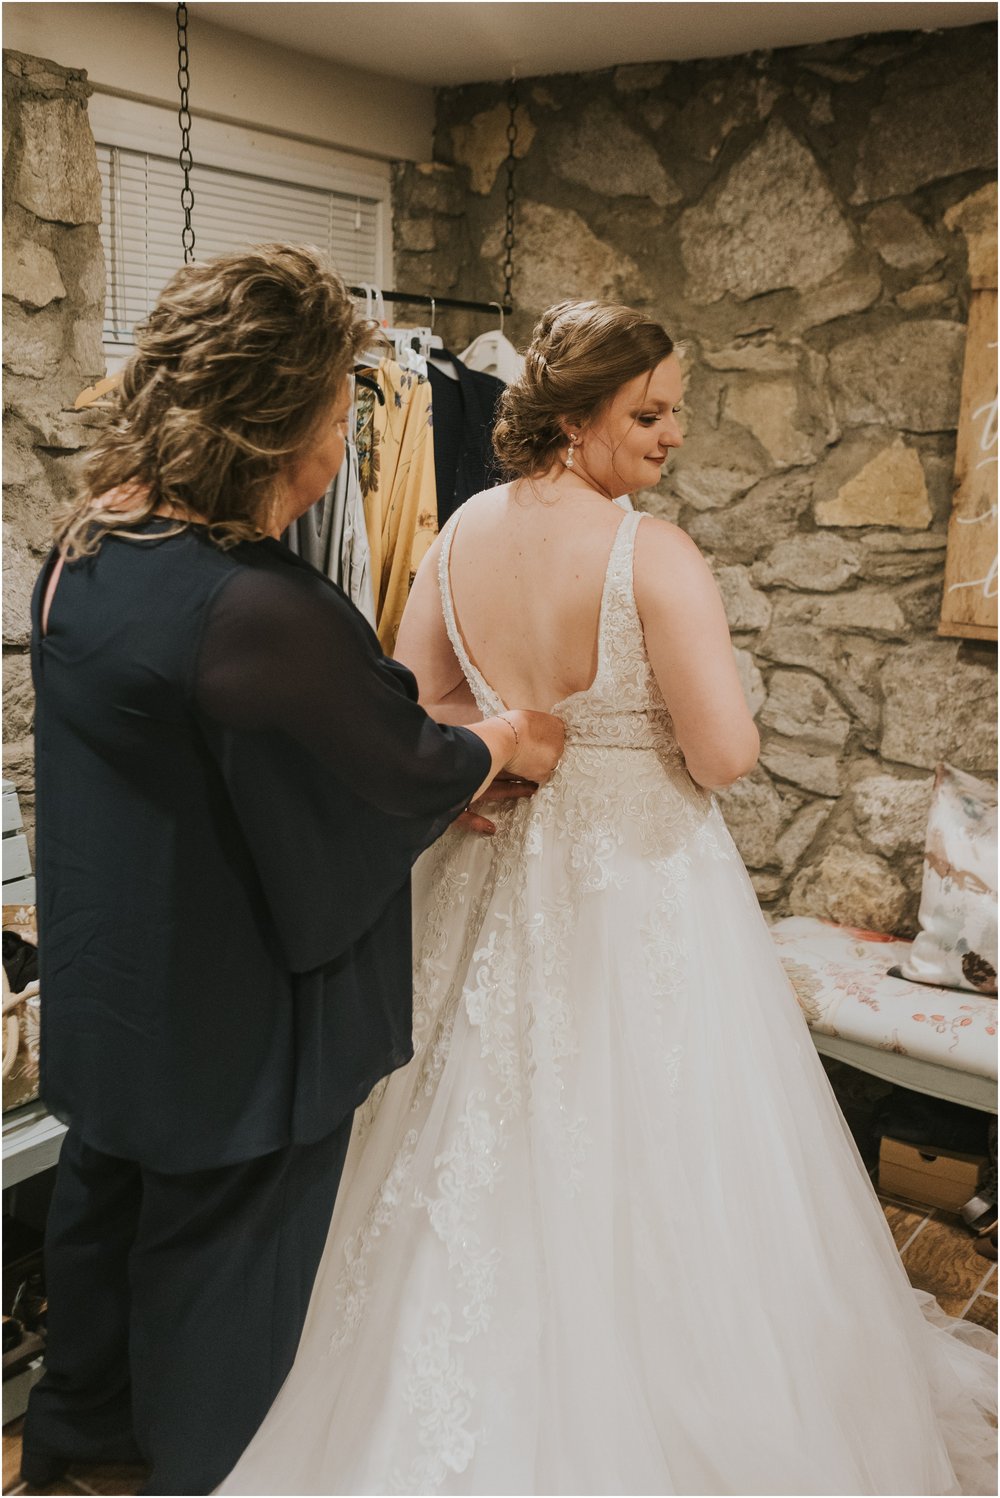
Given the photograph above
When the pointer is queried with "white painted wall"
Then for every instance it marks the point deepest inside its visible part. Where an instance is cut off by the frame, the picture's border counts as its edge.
(131, 50)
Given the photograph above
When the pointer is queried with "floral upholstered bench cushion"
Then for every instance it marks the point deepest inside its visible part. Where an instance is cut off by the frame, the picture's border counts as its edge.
(841, 979)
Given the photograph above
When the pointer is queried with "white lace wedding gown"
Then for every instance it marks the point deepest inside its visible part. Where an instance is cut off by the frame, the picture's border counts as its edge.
(608, 1232)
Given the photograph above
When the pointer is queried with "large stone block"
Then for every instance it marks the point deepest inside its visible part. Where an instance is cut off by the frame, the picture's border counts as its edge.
(891, 814)
(804, 711)
(759, 353)
(820, 773)
(82, 266)
(976, 217)
(34, 342)
(751, 681)
(789, 418)
(766, 885)
(18, 695)
(415, 234)
(841, 297)
(710, 486)
(900, 238)
(559, 256)
(920, 135)
(22, 468)
(746, 607)
(481, 144)
(432, 188)
(659, 502)
(31, 275)
(755, 816)
(795, 841)
(853, 888)
(908, 376)
(54, 426)
(889, 490)
(773, 223)
(929, 295)
(819, 563)
(603, 153)
(20, 569)
(715, 467)
(87, 348)
(850, 666)
(57, 179)
(938, 706)
(640, 77)
(866, 611)
(745, 529)
(890, 557)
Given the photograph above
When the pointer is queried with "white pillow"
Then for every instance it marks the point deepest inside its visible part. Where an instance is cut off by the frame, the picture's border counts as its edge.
(957, 943)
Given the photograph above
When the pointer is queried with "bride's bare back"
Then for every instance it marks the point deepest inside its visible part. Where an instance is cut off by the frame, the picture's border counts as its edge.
(526, 580)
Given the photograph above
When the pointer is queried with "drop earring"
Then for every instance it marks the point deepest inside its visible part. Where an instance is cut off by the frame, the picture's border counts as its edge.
(568, 460)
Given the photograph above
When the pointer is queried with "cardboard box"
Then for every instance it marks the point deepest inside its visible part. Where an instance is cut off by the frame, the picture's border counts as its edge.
(942, 1179)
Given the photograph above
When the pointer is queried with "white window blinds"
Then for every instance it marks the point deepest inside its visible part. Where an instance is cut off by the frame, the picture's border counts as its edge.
(142, 222)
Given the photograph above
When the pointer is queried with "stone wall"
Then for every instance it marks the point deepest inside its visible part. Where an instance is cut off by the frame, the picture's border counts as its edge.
(796, 219)
(53, 306)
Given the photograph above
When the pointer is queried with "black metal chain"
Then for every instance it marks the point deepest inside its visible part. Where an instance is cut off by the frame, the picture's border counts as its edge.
(184, 120)
(508, 239)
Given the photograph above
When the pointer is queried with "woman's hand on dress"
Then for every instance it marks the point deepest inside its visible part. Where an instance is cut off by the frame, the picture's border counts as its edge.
(528, 745)
(539, 744)
(503, 788)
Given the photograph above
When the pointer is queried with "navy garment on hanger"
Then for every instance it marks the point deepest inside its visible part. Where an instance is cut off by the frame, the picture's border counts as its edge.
(465, 412)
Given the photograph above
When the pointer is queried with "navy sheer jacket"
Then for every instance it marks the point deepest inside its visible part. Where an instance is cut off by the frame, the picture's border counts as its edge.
(232, 785)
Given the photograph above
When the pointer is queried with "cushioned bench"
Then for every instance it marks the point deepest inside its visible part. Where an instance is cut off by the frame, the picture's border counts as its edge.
(939, 1041)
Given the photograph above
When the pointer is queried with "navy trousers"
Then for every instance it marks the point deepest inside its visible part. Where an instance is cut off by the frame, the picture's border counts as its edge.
(176, 1303)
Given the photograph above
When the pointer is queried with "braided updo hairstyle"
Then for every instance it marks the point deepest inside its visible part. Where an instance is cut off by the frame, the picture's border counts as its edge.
(581, 353)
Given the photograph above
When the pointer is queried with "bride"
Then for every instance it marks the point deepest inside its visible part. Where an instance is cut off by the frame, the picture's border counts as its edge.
(608, 1232)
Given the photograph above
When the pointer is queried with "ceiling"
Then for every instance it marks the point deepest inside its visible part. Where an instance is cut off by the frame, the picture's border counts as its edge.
(470, 41)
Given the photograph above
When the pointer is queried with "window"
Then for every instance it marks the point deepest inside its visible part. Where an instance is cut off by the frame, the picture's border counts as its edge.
(256, 189)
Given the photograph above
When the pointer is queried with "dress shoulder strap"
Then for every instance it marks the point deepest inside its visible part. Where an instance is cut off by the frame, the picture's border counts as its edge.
(486, 699)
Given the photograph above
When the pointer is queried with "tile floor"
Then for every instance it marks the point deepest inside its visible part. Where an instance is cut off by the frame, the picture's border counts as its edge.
(938, 1253)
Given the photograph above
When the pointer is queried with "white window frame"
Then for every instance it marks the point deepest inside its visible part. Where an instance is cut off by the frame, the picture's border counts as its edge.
(132, 124)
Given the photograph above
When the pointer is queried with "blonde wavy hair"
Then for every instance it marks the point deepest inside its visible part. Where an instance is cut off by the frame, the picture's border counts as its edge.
(581, 353)
(234, 372)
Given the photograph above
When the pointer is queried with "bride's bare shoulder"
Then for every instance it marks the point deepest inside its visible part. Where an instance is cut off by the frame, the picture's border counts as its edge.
(666, 558)
(659, 540)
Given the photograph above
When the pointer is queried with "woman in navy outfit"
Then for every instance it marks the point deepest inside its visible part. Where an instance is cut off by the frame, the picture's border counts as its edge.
(232, 784)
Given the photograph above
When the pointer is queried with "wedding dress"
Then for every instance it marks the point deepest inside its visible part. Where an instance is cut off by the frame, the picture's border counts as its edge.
(608, 1232)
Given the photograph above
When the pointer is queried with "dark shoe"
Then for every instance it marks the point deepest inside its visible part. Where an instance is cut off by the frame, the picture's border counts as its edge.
(40, 1469)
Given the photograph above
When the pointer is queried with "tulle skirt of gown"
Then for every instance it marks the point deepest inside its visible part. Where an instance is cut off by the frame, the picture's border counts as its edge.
(609, 1233)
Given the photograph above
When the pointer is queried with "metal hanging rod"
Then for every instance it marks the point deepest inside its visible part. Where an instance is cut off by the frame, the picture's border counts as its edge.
(422, 299)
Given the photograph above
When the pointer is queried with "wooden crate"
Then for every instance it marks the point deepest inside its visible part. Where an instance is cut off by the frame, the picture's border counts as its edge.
(944, 1179)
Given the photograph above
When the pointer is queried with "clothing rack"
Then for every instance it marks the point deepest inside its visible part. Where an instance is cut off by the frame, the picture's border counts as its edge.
(423, 299)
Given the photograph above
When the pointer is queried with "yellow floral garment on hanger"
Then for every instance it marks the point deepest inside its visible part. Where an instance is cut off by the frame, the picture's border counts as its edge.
(396, 468)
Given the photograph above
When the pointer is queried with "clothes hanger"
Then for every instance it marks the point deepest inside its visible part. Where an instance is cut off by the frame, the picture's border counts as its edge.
(374, 304)
(94, 393)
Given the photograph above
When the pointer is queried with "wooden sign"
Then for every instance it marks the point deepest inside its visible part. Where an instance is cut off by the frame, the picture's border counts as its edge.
(969, 607)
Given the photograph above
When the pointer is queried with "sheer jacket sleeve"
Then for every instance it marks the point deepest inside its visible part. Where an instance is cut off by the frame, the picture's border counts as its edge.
(337, 776)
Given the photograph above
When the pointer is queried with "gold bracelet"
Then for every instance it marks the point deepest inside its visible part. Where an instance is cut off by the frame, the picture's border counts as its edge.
(513, 728)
